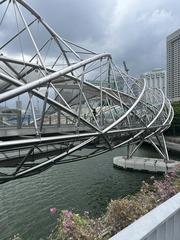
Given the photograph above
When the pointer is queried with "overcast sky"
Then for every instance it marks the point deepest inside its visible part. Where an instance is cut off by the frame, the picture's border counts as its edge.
(131, 30)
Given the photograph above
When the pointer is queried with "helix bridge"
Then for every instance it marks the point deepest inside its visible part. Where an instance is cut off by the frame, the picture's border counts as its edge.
(77, 103)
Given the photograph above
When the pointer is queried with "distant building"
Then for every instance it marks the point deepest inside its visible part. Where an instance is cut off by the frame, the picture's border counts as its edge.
(97, 82)
(111, 84)
(156, 78)
(173, 66)
(19, 104)
(120, 81)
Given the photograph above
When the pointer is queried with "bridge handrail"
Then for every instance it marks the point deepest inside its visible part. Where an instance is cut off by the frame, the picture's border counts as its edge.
(161, 223)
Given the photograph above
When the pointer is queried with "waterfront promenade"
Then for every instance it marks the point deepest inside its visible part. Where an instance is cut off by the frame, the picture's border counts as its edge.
(173, 143)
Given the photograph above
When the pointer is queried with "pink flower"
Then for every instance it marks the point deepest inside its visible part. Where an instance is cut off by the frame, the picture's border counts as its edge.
(68, 230)
(99, 219)
(68, 224)
(53, 210)
(65, 211)
(70, 214)
(152, 177)
(86, 214)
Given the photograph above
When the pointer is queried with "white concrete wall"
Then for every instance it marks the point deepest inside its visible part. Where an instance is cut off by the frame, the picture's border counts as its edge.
(162, 223)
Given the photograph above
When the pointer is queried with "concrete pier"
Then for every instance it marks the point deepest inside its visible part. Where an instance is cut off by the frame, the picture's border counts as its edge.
(144, 164)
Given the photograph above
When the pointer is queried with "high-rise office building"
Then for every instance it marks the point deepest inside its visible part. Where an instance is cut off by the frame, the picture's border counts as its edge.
(173, 66)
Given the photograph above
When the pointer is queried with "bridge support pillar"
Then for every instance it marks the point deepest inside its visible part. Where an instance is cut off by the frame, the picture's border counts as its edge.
(1, 120)
(128, 151)
(28, 119)
(19, 120)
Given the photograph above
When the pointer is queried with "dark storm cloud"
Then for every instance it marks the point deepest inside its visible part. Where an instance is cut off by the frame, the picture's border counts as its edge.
(132, 30)
(77, 20)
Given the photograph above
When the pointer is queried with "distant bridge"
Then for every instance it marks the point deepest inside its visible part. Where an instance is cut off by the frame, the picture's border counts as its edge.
(60, 76)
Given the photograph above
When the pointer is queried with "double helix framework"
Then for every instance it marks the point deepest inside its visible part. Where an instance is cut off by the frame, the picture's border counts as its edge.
(76, 103)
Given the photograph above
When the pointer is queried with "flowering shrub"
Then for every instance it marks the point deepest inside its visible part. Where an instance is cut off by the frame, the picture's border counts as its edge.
(122, 212)
(72, 226)
(164, 189)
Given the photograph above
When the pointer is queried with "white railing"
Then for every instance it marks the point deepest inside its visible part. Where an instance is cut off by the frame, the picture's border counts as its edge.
(162, 223)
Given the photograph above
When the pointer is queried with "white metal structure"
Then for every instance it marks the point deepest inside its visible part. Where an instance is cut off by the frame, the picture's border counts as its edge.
(97, 118)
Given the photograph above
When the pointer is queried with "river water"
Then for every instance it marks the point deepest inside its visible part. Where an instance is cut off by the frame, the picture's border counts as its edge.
(87, 185)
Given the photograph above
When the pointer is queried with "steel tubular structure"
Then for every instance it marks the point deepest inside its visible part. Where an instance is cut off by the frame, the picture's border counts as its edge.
(88, 104)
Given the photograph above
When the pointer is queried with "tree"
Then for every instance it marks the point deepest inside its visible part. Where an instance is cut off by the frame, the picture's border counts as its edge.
(175, 125)
(7, 111)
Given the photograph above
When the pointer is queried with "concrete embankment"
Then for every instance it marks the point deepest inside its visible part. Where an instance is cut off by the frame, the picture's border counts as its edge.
(172, 143)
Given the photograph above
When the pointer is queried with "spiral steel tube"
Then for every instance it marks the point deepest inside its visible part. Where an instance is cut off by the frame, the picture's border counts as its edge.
(95, 106)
